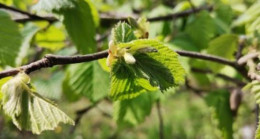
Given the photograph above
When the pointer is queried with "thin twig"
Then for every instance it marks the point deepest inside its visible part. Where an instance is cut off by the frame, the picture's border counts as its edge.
(225, 77)
(31, 17)
(104, 18)
(206, 57)
(161, 126)
(197, 91)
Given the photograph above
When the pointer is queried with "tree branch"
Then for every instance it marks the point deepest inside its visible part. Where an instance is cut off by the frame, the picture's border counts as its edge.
(52, 60)
(104, 18)
(225, 77)
(206, 57)
(31, 17)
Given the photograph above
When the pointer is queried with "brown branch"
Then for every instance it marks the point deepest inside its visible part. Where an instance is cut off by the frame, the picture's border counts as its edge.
(31, 17)
(104, 18)
(206, 57)
(197, 91)
(52, 60)
(161, 126)
(225, 77)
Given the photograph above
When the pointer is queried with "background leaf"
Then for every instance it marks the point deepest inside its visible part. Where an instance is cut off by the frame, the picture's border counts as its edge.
(134, 111)
(223, 46)
(50, 87)
(10, 39)
(201, 30)
(86, 79)
(28, 33)
(78, 20)
(219, 101)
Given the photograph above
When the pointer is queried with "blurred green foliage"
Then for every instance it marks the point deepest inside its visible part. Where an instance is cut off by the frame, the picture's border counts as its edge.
(73, 87)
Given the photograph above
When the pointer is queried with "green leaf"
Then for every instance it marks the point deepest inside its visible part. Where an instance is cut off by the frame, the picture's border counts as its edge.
(219, 101)
(86, 79)
(152, 69)
(223, 46)
(28, 33)
(94, 12)
(78, 18)
(28, 110)
(133, 111)
(80, 25)
(201, 29)
(10, 39)
(224, 13)
(164, 55)
(122, 33)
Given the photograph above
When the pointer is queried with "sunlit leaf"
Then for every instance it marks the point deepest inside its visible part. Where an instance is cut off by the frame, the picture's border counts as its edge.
(151, 69)
(52, 38)
(78, 19)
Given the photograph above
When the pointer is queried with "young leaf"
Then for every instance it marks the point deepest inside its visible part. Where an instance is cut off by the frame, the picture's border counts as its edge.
(10, 39)
(219, 101)
(159, 68)
(122, 33)
(28, 110)
(167, 57)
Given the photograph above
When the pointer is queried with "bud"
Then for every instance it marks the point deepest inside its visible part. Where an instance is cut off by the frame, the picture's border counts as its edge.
(129, 58)
(112, 47)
